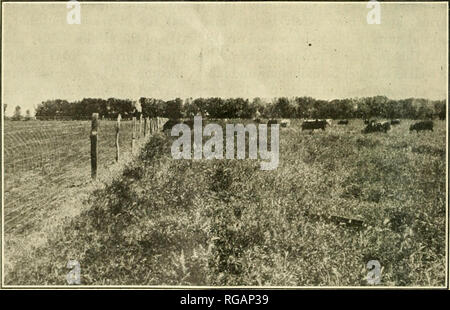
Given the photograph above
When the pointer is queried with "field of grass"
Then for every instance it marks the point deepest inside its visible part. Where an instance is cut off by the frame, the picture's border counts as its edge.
(47, 172)
(228, 223)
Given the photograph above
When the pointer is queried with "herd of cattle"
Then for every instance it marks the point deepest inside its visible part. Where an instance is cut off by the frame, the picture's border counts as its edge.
(371, 124)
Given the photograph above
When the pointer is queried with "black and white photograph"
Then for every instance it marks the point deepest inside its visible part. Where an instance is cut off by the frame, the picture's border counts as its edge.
(224, 145)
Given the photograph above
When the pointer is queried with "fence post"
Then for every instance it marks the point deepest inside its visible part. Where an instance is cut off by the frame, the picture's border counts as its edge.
(145, 126)
(117, 137)
(140, 126)
(94, 150)
(133, 136)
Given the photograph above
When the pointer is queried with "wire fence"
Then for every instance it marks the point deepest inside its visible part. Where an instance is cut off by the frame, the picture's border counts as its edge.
(44, 160)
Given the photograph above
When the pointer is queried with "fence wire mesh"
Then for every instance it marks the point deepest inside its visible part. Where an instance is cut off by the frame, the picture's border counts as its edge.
(43, 158)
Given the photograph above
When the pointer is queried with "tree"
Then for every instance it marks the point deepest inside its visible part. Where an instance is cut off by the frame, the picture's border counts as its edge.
(407, 109)
(283, 108)
(174, 108)
(440, 110)
(56, 107)
(305, 107)
(27, 115)
(265, 108)
(17, 114)
(393, 109)
(217, 108)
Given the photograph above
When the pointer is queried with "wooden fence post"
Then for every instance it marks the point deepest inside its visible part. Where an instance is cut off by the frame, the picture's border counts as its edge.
(145, 126)
(133, 136)
(117, 137)
(140, 126)
(150, 124)
(94, 140)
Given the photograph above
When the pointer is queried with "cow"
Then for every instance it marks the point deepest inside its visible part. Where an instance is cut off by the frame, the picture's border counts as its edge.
(317, 124)
(395, 121)
(272, 121)
(386, 126)
(377, 127)
(424, 125)
(343, 122)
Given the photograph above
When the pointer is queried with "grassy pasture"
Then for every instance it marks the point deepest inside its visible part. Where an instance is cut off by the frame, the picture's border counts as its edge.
(35, 144)
(42, 158)
(226, 222)
(47, 171)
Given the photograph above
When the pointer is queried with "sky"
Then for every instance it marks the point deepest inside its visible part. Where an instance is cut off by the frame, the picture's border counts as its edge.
(169, 50)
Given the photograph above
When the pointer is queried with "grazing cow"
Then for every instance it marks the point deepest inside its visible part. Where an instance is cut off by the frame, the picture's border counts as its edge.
(343, 122)
(317, 124)
(285, 123)
(395, 121)
(386, 126)
(377, 127)
(424, 125)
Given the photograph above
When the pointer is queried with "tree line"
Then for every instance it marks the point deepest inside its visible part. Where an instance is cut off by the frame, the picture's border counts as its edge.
(282, 107)
(17, 116)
